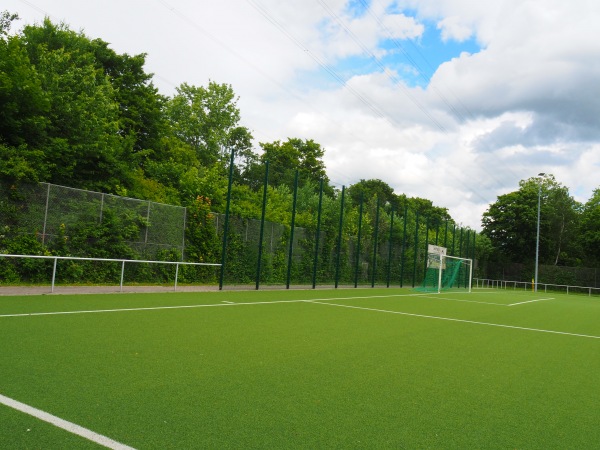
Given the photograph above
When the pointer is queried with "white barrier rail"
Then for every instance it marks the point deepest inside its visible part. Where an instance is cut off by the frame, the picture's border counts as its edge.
(525, 285)
(122, 261)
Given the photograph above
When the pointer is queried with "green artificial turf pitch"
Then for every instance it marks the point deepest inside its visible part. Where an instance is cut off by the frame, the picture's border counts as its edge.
(360, 368)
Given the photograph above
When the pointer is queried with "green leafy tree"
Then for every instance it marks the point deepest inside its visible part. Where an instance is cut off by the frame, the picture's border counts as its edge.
(206, 118)
(23, 109)
(368, 189)
(23, 103)
(141, 118)
(590, 229)
(295, 154)
(83, 147)
(511, 223)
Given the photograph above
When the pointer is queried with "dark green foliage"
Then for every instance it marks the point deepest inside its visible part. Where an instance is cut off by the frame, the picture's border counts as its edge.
(295, 154)
(201, 236)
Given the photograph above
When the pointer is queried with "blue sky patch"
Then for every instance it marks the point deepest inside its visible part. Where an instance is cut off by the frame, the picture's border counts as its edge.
(415, 61)
(356, 8)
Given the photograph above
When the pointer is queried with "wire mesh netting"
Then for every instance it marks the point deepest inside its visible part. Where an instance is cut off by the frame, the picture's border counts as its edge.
(82, 222)
(347, 246)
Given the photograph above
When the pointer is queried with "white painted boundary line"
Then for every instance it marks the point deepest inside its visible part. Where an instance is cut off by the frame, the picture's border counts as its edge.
(64, 424)
(465, 301)
(151, 308)
(564, 333)
(531, 301)
(210, 305)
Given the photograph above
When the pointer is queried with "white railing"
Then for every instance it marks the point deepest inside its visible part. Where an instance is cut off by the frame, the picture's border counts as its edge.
(484, 283)
(122, 261)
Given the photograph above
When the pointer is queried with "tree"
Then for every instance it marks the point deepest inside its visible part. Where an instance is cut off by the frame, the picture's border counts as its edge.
(82, 147)
(368, 189)
(590, 229)
(295, 154)
(511, 223)
(206, 119)
(141, 119)
(22, 99)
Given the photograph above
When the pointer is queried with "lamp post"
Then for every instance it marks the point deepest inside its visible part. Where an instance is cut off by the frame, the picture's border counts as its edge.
(537, 239)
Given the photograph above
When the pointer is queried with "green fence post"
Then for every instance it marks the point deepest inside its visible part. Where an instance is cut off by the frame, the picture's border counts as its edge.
(317, 237)
(426, 248)
(291, 246)
(446, 235)
(360, 216)
(468, 245)
(339, 240)
(416, 249)
(453, 238)
(403, 249)
(389, 266)
(262, 224)
(375, 238)
(226, 224)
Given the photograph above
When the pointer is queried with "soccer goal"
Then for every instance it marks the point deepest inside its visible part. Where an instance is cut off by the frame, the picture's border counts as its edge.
(446, 272)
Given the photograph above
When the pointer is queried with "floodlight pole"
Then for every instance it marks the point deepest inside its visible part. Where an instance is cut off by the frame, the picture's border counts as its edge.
(537, 239)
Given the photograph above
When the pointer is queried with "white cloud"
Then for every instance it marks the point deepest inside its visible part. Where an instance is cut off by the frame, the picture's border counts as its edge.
(526, 103)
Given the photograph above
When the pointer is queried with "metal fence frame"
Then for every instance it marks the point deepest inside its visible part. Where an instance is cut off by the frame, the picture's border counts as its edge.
(122, 261)
(527, 285)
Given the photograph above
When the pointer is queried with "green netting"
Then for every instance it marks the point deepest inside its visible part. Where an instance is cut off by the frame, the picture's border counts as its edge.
(454, 274)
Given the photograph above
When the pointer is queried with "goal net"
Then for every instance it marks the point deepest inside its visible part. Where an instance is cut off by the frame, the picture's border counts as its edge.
(446, 272)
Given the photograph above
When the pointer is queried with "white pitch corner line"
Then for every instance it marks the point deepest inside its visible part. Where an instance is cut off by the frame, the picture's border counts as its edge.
(64, 424)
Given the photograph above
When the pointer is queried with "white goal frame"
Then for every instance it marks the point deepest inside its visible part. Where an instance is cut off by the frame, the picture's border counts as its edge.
(442, 264)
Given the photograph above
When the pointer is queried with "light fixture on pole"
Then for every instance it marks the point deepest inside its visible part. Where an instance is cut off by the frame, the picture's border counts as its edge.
(537, 239)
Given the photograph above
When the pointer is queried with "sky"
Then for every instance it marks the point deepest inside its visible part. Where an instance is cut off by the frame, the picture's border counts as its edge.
(455, 101)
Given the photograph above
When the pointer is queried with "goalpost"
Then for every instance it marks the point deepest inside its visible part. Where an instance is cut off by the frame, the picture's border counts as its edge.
(446, 272)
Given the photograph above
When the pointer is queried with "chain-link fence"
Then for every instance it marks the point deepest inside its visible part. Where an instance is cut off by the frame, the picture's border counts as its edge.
(85, 223)
(348, 247)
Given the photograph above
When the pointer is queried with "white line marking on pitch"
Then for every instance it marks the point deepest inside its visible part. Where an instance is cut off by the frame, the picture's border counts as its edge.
(466, 301)
(64, 424)
(460, 320)
(224, 303)
(152, 308)
(531, 301)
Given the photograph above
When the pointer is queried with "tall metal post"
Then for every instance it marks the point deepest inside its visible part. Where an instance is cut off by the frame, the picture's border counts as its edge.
(226, 224)
(389, 266)
(426, 247)
(446, 235)
(537, 238)
(467, 253)
(46, 215)
(339, 240)
(318, 236)
(375, 245)
(403, 249)
(262, 224)
(293, 226)
(357, 263)
(416, 249)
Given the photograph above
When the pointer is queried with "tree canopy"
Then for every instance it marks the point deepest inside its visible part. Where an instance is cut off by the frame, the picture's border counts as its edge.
(511, 223)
